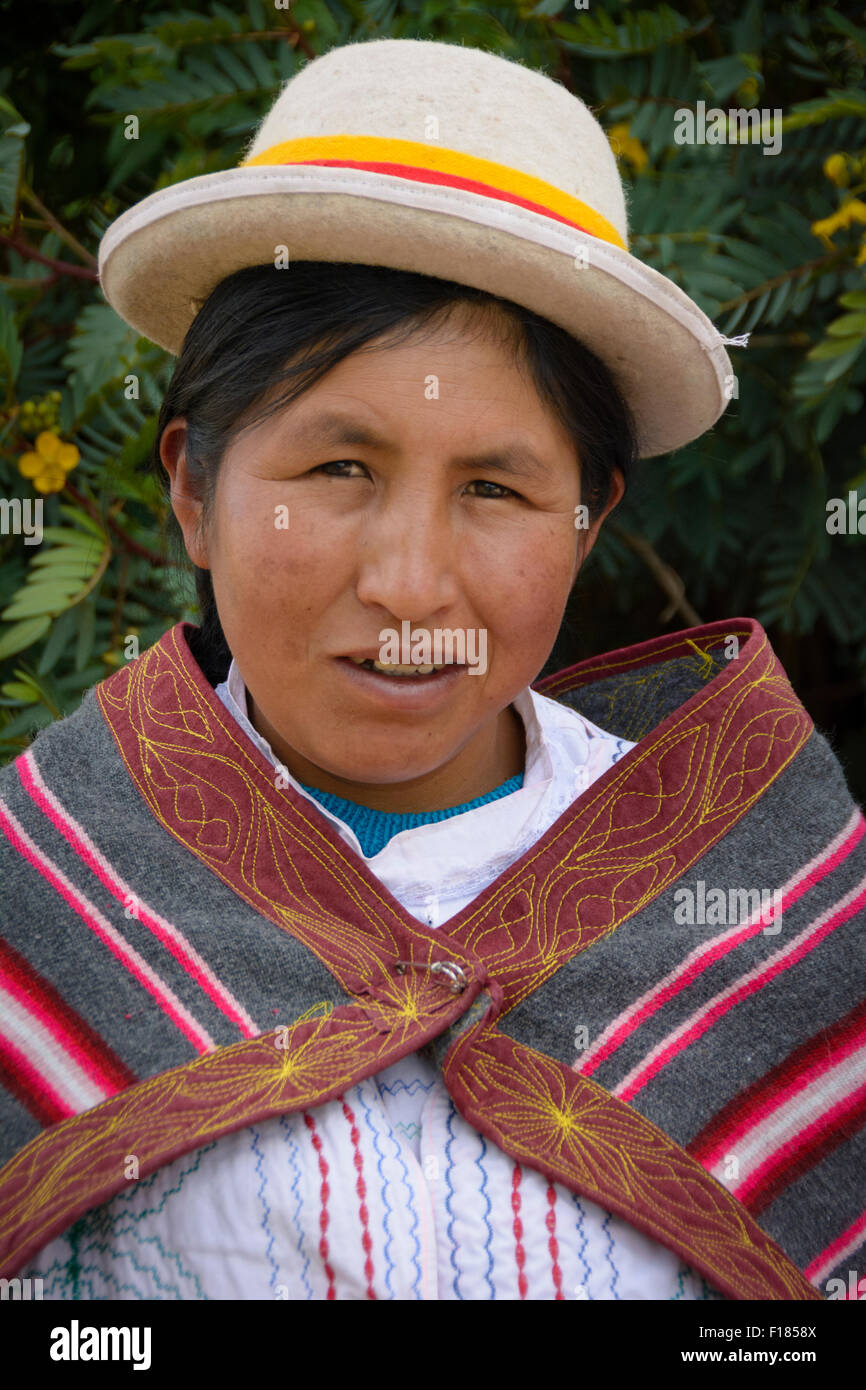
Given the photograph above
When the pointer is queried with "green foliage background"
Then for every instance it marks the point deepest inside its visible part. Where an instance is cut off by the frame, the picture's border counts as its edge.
(732, 525)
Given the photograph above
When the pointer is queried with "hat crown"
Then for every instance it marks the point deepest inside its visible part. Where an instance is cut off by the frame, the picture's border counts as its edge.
(456, 98)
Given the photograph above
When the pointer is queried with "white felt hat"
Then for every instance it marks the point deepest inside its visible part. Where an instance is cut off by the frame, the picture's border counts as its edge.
(452, 162)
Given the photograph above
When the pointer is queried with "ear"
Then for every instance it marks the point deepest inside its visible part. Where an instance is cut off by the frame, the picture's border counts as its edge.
(185, 500)
(588, 538)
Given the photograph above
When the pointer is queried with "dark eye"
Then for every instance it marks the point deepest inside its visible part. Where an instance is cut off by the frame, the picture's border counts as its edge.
(498, 489)
(338, 465)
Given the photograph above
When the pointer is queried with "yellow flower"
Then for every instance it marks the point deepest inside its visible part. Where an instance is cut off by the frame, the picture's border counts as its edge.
(627, 147)
(52, 480)
(825, 227)
(860, 258)
(855, 211)
(852, 211)
(836, 169)
(49, 462)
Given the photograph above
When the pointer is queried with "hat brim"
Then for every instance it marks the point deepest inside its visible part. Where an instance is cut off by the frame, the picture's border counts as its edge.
(160, 260)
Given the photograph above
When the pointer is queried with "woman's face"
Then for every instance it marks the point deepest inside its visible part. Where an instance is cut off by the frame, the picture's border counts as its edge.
(397, 491)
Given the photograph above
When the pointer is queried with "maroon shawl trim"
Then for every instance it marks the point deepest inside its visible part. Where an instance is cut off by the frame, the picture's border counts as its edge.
(574, 1132)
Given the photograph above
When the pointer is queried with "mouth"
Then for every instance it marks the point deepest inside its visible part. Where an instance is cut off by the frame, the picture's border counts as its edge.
(383, 668)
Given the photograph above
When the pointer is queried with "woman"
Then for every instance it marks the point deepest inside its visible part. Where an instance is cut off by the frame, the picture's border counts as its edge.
(367, 970)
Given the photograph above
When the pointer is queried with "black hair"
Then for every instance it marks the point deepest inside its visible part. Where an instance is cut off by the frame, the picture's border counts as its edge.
(263, 326)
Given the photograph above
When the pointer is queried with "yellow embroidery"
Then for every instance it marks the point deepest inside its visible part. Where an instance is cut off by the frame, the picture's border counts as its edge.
(553, 1119)
(706, 664)
(75, 1164)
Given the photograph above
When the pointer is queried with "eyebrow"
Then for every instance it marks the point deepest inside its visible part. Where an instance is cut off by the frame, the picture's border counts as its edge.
(332, 427)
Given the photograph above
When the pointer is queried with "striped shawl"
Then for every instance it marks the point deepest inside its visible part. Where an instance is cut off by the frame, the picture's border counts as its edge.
(660, 1005)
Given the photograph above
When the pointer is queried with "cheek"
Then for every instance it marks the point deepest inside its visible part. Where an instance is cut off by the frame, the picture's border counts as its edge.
(527, 588)
(266, 555)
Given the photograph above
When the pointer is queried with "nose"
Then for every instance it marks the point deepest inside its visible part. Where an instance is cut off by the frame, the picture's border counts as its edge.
(408, 558)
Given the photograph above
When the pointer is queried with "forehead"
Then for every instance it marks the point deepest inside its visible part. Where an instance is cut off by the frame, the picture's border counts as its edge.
(467, 364)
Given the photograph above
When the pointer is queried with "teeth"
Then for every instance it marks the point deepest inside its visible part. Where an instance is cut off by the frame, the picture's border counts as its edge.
(402, 670)
(386, 670)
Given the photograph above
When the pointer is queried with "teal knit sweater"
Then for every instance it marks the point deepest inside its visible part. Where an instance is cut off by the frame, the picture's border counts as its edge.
(375, 828)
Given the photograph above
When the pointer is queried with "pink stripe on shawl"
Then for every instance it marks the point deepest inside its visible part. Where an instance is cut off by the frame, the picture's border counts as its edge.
(755, 1117)
(102, 928)
(168, 935)
(61, 1037)
(845, 1244)
(811, 1135)
(620, 1028)
(703, 1019)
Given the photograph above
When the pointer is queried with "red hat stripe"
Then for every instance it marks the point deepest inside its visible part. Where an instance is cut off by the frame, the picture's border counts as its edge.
(409, 171)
